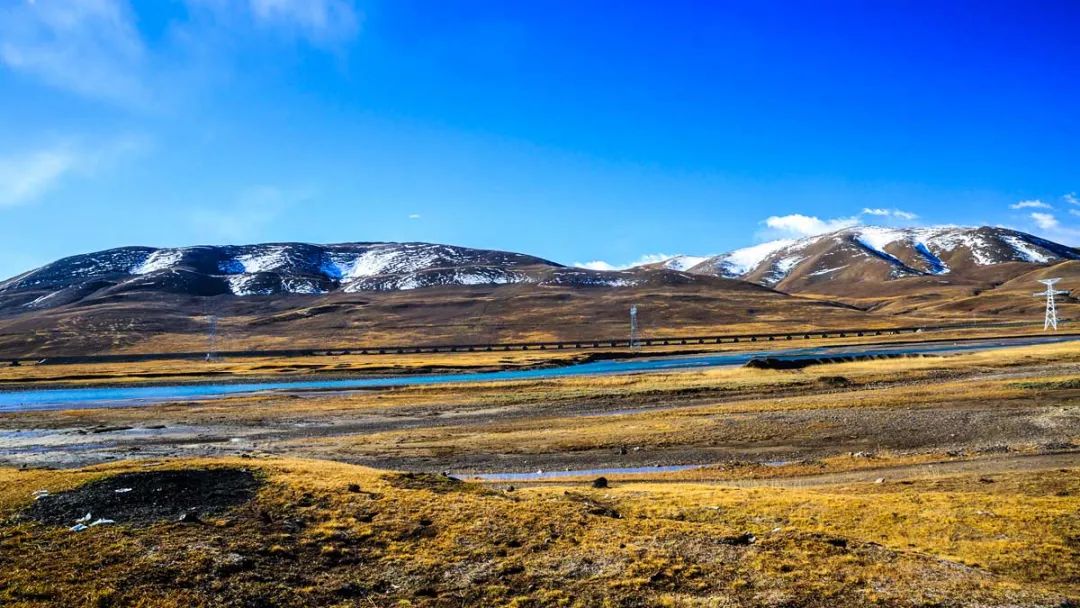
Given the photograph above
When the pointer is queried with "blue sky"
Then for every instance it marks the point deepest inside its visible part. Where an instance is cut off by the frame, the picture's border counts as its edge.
(577, 131)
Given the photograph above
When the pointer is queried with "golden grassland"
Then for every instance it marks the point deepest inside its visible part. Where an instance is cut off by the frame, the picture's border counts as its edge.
(222, 369)
(972, 378)
(394, 540)
(333, 534)
(700, 394)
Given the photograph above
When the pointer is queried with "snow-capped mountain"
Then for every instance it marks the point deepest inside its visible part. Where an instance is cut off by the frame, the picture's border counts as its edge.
(842, 260)
(294, 268)
(682, 263)
(872, 253)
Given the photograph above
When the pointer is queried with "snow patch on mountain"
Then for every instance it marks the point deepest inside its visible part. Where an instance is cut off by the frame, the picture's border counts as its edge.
(875, 242)
(936, 264)
(162, 259)
(683, 263)
(301, 286)
(241, 285)
(742, 261)
(36, 302)
(377, 261)
(1027, 250)
(263, 259)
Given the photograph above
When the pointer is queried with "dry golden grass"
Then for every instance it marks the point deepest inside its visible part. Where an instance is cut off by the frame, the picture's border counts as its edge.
(867, 385)
(307, 540)
(678, 539)
(394, 364)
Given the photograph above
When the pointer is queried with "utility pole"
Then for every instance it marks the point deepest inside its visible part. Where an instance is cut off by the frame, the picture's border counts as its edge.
(635, 341)
(211, 339)
(1050, 320)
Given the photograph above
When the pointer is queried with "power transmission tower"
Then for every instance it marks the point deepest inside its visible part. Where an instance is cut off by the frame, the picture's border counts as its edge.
(1051, 308)
(211, 345)
(635, 341)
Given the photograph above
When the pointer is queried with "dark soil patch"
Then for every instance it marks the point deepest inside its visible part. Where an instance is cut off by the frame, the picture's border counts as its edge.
(148, 497)
(440, 484)
(783, 363)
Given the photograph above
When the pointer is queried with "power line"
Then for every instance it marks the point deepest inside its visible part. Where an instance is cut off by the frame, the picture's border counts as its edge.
(211, 339)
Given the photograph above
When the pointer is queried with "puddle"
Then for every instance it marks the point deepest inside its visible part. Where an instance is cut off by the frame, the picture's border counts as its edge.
(538, 475)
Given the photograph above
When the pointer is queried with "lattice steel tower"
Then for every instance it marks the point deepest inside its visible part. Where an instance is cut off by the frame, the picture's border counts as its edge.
(1051, 308)
(635, 340)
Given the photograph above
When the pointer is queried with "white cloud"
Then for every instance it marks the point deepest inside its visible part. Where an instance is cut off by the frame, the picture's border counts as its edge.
(90, 47)
(1071, 198)
(1075, 212)
(596, 265)
(897, 213)
(648, 258)
(869, 211)
(1033, 204)
(414, 216)
(1046, 221)
(799, 225)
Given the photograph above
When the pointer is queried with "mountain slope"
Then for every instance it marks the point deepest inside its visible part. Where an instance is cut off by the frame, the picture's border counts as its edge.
(296, 268)
(854, 257)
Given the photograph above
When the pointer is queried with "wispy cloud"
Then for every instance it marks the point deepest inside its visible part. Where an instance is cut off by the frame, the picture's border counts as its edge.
(1046, 221)
(414, 216)
(321, 22)
(26, 176)
(325, 24)
(648, 258)
(1053, 227)
(94, 48)
(895, 213)
(90, 47)
(1071, 198)
(597, 265)
(1032, 204)
(799, 225)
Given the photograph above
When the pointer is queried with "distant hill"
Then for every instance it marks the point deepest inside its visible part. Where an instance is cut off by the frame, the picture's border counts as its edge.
(297, 268)
(864, 257)
(289, 294)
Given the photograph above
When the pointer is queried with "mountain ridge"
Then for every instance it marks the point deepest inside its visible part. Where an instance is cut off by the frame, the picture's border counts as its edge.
(299, 268)
(879, 254)
(838, 261)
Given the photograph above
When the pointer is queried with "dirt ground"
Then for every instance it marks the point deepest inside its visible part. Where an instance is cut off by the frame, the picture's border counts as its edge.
(935, 481)
(1023, 400)
(318, 533)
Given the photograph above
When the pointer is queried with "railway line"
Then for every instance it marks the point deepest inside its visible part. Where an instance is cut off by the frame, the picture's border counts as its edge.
(644, 342)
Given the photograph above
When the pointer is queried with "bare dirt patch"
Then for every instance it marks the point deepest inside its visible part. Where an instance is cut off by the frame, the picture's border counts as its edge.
(149, 496)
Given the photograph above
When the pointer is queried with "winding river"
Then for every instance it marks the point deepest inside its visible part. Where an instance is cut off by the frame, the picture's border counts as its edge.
(94, 397)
